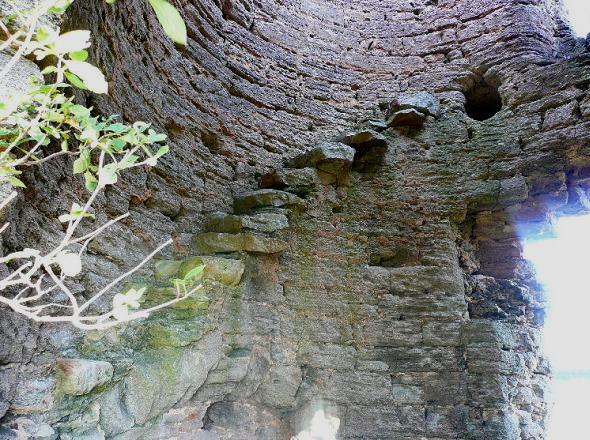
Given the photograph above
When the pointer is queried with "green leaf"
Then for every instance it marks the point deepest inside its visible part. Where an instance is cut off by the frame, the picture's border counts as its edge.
(75, 81)
(90, 181)
(72, 41)
(170, 20)
(75, 213)
(16, 182)
(80, 165)
(155, 137)
(42, 33)
(116, 128)
(79, 55)
(193, 273)
(162, 150)
(80, 111)
(107, 175)
(118, 144)
(127, 161)
(90, 75)
(48, 70)
(60, 6)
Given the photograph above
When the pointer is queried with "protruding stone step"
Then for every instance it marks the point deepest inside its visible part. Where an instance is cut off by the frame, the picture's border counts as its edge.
(370, 148)
(301, 181)
(261, 222)
(80, 376)
(364, 139)
(264, 198)
(411, 110)
(215, 242)
(227, 271)
(422, 102)
(330, 157)
(406, 118)
(377, 124)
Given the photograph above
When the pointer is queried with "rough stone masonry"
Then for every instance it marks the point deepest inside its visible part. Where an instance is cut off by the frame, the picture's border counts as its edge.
(356, 177)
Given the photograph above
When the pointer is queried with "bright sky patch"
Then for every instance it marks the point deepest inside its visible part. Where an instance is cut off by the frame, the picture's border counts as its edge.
(563, 266)
(579, 16)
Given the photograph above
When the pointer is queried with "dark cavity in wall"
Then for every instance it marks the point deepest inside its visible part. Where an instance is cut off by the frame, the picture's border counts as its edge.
(482, 100)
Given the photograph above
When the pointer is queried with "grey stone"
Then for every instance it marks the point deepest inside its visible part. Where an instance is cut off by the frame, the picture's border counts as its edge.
(214, 242)
(268, 88)
(30, 429)
(261, 222)
(377, 124)
(364, 139)
(330, 157)
(300, 181)
(265, 198)
(280, 387)
(423, 102)
(159, 380)
(406, 118)
(81, 376)
(16, 82)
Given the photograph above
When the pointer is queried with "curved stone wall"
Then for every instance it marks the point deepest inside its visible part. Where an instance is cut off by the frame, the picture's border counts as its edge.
(382, 285)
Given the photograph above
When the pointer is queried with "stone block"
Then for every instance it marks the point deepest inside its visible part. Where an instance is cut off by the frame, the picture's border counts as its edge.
(330, 157)
(301, 181)
(280, 386)
(262, 222)
(406, 118)
(423, 102)
(81, 376)
(213, 242)
(266, 198)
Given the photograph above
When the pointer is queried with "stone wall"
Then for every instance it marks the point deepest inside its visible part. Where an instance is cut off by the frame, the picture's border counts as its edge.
(378, 278)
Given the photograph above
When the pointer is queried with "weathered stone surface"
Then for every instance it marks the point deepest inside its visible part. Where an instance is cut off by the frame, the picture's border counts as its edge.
(422, 102)
(260, 82)
(262, 222)
(214, 242)
(28, 429)
(364, 139)
(302, 181)
(160, 379)
(16, 81)
(265, 198)
(406, 118)
(280, 387)
(227, 271)
(81, 376)
(330, 157)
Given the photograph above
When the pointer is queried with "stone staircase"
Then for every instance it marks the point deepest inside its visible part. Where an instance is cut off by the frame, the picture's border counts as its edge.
(256, 227)
(200, 346)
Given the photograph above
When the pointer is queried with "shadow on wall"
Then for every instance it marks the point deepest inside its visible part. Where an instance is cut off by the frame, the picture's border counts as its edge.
(482, 99)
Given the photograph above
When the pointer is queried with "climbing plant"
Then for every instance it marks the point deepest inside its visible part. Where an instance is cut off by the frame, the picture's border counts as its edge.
(44, 123)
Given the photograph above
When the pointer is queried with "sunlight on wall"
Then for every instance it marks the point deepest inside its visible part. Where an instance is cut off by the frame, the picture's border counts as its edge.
(579, 15)
(562, 265)
(322, 427)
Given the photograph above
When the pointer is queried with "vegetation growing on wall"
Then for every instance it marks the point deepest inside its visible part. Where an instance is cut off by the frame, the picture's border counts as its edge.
(46, 122)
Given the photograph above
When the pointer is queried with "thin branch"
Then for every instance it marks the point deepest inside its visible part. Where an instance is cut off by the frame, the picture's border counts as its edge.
(113, 283)
(50, 157)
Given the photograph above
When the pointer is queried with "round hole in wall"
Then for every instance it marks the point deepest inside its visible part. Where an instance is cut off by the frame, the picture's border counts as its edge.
(482, 100)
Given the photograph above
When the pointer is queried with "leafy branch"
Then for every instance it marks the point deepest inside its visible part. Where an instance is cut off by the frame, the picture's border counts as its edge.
(46, 118)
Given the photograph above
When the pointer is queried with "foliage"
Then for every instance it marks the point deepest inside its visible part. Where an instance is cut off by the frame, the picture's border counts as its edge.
(46, 122)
